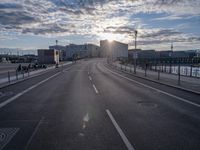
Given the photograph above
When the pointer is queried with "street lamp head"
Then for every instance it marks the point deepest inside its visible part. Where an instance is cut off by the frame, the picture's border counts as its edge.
(136, 32)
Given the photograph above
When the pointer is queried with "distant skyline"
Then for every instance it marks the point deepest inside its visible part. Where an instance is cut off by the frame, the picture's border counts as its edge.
(33, 24)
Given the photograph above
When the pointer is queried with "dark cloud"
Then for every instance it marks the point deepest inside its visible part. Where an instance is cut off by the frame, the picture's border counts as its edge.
(10, 6)
(160, 33)
(15, 18)
(120, 30)
(46, 29)
(73, 16)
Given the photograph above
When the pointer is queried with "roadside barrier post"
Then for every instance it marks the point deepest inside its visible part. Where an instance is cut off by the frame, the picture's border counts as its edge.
(191, 71)
(145, 70)
(9, 77)
(16, 75)
(28, 73)
(179, 74)
(23, 73)
(159, 74)
(134, 66)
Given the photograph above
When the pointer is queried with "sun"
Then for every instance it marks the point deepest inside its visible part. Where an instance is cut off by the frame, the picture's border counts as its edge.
(109, 36)
(110, 40)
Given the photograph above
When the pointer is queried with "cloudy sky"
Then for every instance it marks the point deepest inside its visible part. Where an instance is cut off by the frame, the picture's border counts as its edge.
(32, 24)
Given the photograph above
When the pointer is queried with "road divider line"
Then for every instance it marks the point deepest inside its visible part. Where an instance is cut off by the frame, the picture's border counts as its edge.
(163, 92)
(119, 130)
(34, 133)
(66, 70)
(25, 91)
(95, 89)
(90, 78)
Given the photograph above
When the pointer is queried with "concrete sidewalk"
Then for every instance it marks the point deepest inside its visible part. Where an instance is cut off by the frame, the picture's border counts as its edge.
(189, 83)
(13, 78)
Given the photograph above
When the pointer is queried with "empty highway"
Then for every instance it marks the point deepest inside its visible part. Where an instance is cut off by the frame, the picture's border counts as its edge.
(91, 106)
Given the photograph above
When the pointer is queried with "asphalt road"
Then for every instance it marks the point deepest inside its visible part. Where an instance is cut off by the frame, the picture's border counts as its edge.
(91, 106)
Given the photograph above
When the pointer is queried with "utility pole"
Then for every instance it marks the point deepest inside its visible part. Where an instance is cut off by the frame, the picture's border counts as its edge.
(56, 42)
(172, 46)
(170, 55)
(135, 54)
(136, 32)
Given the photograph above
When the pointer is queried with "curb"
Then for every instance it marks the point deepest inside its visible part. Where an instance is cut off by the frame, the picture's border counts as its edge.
(27, 78)
(173, 86)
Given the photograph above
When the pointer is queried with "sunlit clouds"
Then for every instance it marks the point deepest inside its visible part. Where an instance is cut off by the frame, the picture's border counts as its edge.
(158, 21)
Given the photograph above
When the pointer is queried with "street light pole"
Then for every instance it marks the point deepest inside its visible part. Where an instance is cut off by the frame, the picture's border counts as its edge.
(135, 57)
(136, 32)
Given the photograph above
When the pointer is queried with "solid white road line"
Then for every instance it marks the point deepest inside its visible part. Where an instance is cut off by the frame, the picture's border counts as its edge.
(34, 133)
(163, 92)
(95, 89)
(119, 130)
(90, 78)
(25, 91)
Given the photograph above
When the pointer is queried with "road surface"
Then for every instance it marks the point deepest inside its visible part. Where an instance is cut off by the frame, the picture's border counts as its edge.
(90, 106)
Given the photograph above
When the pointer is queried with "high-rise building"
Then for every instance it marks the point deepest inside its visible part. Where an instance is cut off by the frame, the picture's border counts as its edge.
(113, 49)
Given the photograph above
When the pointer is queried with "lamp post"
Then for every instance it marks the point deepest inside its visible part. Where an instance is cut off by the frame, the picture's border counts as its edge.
(135, 54)
(136, 32)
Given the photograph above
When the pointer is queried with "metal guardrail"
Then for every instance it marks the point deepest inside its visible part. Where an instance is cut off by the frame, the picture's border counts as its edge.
(146, 72)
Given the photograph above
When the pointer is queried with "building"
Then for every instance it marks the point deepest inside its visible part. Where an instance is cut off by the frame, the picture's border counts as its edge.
(180, 54)
(113, 49)
(48, 56)
(133, 53)
(61, 50)
(93, 50)
(79, 50)
(68, 52)
(198, 53)
(148, 54)
(165, 54)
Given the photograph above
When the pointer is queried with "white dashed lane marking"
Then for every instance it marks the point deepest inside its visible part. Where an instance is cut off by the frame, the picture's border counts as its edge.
(90, 78)
(119, 130)
(97, 92)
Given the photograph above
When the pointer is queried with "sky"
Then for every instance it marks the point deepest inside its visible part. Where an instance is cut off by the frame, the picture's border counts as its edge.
(33, 24)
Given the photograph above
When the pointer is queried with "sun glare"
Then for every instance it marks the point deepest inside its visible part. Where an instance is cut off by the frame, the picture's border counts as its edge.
(109, 36)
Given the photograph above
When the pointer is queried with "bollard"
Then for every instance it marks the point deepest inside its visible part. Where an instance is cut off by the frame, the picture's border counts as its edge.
(159, 74)
(8, 77)
(145, 70)
(135, 65)
(196, 72)
(62, 67)
(16, 75)
(28, 73)
(186, 71)
(23, 74)
(191, 71)
(170, 68)
(179, 74)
